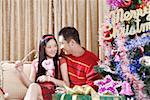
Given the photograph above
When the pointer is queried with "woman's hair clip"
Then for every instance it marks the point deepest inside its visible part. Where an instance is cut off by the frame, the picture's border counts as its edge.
(48, 37)
(52, 37)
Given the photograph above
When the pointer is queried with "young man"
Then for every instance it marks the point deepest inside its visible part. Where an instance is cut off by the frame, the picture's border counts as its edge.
(80, 62)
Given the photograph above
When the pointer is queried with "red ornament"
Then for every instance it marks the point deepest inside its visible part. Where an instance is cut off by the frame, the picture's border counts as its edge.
(113, 52)
(141, 49)
(126, 3)
(107, 36)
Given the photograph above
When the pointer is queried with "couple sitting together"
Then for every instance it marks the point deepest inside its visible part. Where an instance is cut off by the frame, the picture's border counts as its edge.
(75, 66)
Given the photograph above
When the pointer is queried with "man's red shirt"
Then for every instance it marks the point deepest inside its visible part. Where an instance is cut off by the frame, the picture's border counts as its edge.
(81, 69)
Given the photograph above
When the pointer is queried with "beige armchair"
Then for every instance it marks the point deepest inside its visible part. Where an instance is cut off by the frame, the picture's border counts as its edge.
(10, 82)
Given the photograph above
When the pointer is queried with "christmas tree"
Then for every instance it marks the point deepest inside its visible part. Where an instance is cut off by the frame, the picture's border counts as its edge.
(126, 40)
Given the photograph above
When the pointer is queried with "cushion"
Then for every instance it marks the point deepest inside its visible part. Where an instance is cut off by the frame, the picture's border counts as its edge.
(11, 83)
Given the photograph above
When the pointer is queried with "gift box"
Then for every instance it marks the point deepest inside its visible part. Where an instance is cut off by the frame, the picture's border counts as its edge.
(85, 97)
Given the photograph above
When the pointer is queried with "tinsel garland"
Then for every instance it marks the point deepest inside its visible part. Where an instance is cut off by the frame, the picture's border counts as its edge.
(134, 43)
(134, 52)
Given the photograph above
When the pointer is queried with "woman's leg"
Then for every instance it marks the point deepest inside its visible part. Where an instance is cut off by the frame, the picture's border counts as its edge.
(34, 92)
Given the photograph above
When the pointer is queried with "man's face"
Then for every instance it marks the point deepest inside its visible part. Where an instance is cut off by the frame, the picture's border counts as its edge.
(64, 45)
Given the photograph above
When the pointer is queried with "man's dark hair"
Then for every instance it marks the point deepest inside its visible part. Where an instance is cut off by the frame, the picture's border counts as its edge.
(70, 33)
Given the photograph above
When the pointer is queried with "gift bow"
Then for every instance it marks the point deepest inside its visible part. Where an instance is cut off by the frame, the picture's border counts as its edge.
(84, 89)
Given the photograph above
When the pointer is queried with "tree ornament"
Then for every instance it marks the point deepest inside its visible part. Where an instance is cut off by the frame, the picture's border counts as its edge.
(107, 86)
(126, 3)
(140, 2)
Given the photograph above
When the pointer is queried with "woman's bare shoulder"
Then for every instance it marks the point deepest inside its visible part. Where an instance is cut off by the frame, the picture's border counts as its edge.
(62, 60)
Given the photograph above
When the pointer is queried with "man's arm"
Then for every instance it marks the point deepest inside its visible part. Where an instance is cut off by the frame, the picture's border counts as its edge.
(91, 76)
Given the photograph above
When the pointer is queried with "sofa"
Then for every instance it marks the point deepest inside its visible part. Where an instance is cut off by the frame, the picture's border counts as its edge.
(10, 82)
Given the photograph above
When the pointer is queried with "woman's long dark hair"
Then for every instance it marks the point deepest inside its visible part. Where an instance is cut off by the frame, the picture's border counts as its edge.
(42, 56)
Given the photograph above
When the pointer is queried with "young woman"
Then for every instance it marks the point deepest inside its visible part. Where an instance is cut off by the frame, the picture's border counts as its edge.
(44, 71)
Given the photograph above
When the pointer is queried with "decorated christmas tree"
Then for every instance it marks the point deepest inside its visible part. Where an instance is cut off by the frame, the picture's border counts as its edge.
(126, 42)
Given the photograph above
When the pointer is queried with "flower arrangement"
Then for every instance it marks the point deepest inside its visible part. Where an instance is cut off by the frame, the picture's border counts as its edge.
(131, 4)
(107, 86)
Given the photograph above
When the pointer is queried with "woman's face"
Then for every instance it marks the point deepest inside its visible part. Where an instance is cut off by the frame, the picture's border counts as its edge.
(51, 48)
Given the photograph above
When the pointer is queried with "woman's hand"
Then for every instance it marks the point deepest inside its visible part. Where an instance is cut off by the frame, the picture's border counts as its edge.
(19, 66)
(42, 78)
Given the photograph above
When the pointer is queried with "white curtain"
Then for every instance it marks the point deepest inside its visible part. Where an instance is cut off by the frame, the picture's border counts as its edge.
(23, 22)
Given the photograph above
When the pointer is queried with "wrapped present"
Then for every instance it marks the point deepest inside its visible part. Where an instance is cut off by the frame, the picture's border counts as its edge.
(59, 96)
(84, 92)
(79, 90)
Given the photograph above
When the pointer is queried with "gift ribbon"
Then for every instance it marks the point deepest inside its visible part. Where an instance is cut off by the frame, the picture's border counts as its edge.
(76, 90)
